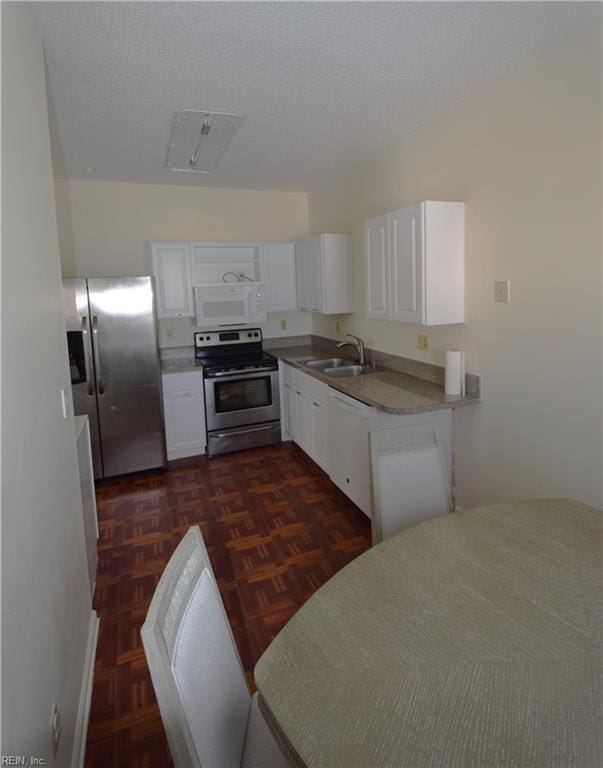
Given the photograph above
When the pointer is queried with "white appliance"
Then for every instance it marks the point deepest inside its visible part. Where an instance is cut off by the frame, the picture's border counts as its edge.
(230, 304)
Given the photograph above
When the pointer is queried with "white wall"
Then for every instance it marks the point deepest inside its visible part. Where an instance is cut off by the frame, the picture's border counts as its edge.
(525, 155)
(103, 228)
(45, 593)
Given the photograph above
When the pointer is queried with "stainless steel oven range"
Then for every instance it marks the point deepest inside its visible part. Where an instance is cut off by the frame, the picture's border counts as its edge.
(242, 406)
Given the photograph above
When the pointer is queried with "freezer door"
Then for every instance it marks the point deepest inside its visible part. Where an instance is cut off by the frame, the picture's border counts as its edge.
(128, 377)
(83, 387)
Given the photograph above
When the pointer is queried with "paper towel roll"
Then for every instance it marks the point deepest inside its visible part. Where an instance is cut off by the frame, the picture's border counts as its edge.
(455, 372)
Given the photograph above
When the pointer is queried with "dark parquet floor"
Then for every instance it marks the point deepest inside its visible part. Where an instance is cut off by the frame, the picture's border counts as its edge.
(276, 529)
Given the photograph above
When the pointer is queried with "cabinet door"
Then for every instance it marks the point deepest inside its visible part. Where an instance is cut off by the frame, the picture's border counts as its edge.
(184, 423)
(303, 276)
(349, 466)
(289, 409)
(406, 260)
(319, 449)
(315, 265)
(278, 273)
(84, 455)
(171, 266)
(301, 419)
(376, 267)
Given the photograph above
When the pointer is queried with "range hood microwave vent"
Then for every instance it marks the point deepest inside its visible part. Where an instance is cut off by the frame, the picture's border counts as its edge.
(199, 138)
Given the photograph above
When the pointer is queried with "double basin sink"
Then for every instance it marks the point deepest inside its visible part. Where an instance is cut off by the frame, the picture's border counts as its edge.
(337, 367)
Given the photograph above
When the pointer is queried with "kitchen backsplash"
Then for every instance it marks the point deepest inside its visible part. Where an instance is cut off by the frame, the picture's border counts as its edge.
(178, 331)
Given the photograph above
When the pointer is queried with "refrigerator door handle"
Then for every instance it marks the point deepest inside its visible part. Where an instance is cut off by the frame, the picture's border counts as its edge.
(99, 382)
(88, 358)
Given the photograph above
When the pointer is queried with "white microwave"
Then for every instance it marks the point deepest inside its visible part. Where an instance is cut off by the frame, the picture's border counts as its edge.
(230, 304)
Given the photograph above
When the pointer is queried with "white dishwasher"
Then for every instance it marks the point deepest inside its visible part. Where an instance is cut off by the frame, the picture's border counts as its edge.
(349, 462)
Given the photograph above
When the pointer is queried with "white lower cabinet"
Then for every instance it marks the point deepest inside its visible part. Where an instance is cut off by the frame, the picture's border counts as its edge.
(404, 480)
(411, 483)
(319, 433)
(304, 413)
(87, 488)
(349, 466)
(288, 405)
(184, 414)
(301, 416)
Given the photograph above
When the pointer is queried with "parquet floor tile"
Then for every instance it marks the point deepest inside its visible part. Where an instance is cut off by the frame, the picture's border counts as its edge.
(276, 529)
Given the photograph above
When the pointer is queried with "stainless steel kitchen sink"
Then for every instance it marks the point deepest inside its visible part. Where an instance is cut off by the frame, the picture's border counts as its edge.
(329, 362)
(346, 371)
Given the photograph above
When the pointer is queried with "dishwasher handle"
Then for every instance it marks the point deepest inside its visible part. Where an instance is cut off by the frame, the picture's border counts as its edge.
(349, 404)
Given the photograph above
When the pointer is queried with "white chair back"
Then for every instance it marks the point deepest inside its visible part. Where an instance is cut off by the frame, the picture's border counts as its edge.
(195, 667)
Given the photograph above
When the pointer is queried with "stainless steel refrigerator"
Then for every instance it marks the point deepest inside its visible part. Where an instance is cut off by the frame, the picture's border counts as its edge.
(115, 373)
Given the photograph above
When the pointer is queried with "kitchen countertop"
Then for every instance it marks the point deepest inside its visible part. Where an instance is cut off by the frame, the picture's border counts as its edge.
(180, 365)
(386, 390)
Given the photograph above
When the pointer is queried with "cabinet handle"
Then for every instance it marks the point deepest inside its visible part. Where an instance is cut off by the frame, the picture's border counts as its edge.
(347, 480)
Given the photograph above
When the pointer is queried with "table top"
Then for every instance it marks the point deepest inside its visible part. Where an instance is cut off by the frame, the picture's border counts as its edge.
(472, 639)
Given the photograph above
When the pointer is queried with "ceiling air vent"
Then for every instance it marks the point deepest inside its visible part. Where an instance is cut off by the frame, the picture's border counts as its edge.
(199, 138)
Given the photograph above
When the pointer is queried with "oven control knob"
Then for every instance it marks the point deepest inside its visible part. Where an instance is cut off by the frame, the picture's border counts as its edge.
(208, 338)
(248, 335)
(256, 334)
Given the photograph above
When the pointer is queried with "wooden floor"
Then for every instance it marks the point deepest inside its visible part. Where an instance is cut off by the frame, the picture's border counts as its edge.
(276, 529)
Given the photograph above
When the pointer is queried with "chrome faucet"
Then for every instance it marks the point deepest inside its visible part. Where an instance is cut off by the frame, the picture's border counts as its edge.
(358, 346)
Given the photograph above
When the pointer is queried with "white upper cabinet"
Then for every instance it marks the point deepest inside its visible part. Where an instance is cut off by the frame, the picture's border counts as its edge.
(171, 267)
(406, 270)
(223, 262)
(415, 264)
(278, 273)
(303, 274)
(376, 267)
(180, 267)
(323, 266)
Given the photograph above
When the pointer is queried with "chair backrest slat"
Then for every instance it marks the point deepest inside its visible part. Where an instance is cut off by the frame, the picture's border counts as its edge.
(194, 664)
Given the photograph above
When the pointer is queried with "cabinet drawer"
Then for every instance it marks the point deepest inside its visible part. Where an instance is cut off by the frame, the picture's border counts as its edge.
(180, 382)
(288, 374)
(314, 388)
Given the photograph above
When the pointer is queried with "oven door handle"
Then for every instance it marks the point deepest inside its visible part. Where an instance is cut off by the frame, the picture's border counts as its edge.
(235, 374)
(244, 431)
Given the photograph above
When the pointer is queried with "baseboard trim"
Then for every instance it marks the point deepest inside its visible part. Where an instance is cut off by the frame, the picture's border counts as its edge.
(185, 453)
(83, 709)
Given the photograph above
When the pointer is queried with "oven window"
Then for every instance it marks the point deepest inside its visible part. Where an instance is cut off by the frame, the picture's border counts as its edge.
(242, 394)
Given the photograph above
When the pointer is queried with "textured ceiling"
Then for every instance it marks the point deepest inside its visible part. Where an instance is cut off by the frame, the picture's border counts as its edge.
(322, 84)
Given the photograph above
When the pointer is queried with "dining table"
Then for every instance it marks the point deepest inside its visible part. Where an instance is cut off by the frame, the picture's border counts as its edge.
(472, 639)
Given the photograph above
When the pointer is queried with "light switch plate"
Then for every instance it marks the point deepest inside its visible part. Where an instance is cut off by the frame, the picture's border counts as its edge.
(502, 291)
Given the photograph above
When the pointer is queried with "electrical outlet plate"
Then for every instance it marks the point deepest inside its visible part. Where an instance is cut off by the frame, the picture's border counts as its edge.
(337, 327)
(502, 291)
(283, 325)
(170, 333)
(423, 342)
(54, 727)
